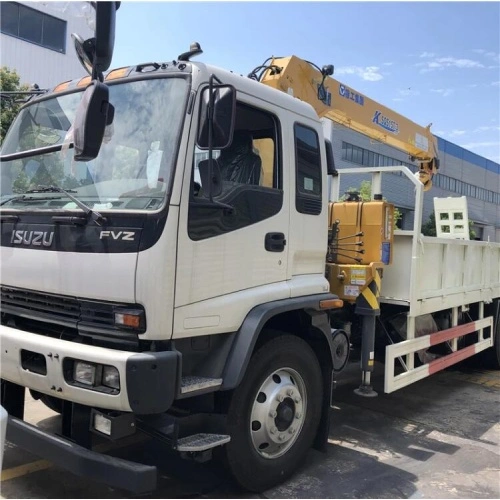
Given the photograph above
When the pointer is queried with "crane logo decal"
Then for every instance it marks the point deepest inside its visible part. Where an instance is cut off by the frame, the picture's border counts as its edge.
(347, 93)
(385, 123)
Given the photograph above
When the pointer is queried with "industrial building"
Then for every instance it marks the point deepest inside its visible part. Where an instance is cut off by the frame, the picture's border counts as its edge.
(36, 42)
(461, 173)
(36, 39)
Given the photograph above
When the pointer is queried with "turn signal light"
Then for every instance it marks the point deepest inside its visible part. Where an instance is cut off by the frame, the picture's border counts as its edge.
(331, 304)
(130, 319)
(62, 86)
(117, 73)
(83, 82)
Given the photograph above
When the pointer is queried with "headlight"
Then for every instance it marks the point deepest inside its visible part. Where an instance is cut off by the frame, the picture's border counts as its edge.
(94, 375)
(84, 373)
(110, 377)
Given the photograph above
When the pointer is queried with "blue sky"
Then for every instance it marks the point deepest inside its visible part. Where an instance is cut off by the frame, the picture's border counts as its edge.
(433, 62)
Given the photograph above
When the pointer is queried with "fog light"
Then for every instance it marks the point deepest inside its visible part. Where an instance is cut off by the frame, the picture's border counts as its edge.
(102, 424)
(111, 377)
(84, 373)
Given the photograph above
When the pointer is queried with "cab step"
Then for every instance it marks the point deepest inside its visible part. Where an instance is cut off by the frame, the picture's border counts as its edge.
(194, 384)
(201, 442)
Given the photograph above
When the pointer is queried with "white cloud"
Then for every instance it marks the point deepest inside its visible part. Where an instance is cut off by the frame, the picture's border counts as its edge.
(448, 62)
(369, 73)
(488, 53)
(397, 99)
(387, 64)
(496, 84)
(456, 133)
(427, 54)
(443, 92)
(459, 63)
(486, 128)
(408, 92)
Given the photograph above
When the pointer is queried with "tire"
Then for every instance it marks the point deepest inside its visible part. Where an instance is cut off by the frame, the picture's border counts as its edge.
(496, 343)
(55, 404)
(273, 415)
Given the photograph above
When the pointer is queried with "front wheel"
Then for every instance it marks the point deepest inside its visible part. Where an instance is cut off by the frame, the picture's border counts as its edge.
(274, 414)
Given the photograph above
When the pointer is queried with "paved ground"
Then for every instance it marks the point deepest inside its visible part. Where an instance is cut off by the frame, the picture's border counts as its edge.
(439, 438)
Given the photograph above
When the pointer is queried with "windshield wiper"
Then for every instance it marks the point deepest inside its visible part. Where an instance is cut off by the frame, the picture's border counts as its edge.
(27, 199)
(49, 189)
(89, 212)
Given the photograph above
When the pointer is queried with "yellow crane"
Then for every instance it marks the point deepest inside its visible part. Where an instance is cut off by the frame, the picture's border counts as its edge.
(342, 104)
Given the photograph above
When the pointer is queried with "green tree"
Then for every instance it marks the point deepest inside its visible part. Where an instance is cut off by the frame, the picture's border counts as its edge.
(365, 193)
(429, 228)
(9, 82)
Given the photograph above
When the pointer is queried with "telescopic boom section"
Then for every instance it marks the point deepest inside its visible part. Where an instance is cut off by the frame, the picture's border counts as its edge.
(342, 104)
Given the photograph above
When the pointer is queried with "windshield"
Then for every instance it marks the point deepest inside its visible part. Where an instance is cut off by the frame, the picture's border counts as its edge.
(135, 162)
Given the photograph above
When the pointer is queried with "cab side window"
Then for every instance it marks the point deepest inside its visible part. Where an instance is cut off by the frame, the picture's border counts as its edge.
(246, 177)
(307, 170)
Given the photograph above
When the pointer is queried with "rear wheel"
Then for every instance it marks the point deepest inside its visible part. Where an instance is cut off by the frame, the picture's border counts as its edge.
(496, 340)
(274, 414)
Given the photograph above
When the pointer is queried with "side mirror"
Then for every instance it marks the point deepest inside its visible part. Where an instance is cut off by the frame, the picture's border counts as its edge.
(217, 112)
(330, 161)
(95, 53)
(95, 111)
(105, 13)
(93, 114)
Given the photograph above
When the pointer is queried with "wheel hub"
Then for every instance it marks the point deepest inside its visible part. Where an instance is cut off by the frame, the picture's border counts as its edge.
(278, 412)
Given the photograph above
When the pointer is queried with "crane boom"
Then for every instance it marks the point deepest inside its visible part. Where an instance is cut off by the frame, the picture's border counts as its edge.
(342, 104)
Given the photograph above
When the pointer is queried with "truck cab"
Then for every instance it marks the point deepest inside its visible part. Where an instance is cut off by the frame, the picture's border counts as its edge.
(191, 264)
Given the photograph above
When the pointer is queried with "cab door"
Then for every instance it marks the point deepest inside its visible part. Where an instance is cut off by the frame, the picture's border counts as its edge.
(234, 256)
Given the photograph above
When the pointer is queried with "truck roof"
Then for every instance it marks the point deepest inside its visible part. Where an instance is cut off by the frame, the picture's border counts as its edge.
(242, 83)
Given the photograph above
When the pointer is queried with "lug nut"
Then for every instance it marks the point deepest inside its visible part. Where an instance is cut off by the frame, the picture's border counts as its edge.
(297, 399)
(298, 415)
(273, 430)
(280, 398)
(290, 392)
(273, 414)
(291, 430)
(282, 437)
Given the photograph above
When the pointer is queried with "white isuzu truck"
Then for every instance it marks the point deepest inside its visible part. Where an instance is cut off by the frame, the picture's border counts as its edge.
(168, 259)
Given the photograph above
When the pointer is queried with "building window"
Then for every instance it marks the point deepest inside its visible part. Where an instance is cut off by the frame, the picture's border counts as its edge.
(33, 26)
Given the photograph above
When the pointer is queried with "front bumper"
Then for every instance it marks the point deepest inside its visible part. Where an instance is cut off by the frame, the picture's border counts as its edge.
(106, 469)
(149, 381)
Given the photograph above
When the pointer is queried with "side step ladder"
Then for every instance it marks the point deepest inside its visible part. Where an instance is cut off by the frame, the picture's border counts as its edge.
(192, 385)
(201, 442)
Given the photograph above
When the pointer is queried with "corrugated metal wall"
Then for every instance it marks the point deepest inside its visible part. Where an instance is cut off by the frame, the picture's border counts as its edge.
(40, 65)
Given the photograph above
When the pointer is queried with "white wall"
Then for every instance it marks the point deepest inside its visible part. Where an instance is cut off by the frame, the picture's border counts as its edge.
(43, 66)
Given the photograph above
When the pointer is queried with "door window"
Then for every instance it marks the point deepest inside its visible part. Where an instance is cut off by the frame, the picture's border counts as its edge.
(245, 178)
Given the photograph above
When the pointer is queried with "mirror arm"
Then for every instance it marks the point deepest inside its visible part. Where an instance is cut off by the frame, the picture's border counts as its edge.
(210, 112)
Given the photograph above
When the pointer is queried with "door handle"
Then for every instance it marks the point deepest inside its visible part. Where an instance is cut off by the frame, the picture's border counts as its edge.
(275, 242)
